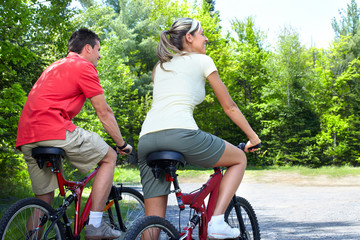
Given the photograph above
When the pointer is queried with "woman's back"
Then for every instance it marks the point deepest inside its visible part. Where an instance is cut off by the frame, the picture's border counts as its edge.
(177, 90)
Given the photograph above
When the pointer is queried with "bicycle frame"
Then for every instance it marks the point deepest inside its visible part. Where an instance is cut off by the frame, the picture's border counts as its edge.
(77, 189)
(196, 200)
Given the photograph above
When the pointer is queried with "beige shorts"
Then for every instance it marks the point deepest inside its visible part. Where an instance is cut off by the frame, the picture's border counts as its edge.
(83, 149)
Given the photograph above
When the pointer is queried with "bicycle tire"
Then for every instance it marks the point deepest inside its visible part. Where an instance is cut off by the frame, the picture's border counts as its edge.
(249, 217)
(13, 224)
(150, 224)
(131, 204)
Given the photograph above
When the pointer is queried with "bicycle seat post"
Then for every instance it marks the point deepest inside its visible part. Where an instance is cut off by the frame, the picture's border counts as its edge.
(177, 190)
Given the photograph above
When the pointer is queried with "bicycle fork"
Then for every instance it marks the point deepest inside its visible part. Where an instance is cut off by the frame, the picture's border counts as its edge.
(115, 197)
(190, 227)
(60, 212)
(243, 234)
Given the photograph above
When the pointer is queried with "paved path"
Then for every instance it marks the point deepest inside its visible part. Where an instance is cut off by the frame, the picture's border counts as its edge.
(290, 212)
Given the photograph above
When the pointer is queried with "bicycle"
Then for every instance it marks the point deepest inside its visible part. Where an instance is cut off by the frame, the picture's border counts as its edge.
(238, 214)
(31, 218)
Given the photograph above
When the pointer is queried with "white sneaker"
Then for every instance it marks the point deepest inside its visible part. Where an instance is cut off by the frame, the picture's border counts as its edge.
(222, 231)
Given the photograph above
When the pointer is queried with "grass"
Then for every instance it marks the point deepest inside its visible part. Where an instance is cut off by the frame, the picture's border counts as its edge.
(328, 171)
(127, 174)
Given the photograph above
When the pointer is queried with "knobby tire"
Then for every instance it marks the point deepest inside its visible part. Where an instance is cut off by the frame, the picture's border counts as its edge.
(248, 216)
(151, 225)
(13, 224)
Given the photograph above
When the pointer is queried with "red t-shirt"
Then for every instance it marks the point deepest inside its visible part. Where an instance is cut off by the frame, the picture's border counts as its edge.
(56, 98)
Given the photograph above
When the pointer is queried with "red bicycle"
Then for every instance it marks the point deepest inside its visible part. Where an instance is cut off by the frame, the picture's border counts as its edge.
(239, 213)
(32, 218)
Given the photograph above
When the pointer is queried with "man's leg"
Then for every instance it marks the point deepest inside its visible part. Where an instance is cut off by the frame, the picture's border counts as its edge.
(34, 220)
(103, 181)
(100, 192)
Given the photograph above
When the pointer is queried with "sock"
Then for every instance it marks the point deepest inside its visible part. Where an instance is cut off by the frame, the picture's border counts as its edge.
(95, 218)
(217, 219)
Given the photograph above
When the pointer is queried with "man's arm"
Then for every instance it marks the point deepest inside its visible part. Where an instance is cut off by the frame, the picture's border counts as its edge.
(107, 118)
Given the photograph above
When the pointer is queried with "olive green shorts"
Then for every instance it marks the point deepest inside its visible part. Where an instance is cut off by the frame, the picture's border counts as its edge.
(199, 148)
(83, 149)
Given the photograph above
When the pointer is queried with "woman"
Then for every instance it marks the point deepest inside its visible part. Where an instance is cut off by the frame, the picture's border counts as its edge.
(179, 84)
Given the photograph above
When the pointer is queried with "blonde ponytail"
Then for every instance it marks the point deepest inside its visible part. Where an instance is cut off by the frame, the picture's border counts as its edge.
(171, 41)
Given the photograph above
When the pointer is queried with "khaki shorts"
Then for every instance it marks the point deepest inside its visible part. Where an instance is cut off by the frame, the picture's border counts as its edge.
(199, 148)
(83, 149)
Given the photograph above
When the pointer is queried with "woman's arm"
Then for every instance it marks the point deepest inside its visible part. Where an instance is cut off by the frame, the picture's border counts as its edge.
(231, 109)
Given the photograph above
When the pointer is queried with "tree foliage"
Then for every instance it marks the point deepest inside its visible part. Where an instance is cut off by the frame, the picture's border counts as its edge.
(32, 35)
(349, 23)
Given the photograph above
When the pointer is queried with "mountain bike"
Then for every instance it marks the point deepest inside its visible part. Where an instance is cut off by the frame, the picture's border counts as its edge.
(32, 218)
(239, 214)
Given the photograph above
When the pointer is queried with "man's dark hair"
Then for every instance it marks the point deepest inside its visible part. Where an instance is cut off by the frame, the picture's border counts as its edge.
(80, 38)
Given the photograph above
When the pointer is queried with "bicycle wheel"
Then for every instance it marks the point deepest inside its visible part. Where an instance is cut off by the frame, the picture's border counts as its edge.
(23, 218)
(152, 227)
(131, 205)
(252, 229)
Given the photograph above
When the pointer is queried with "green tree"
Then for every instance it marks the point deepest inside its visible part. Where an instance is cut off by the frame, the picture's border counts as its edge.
(125, 37)
(32, 34)
(338, 106)
(348, 25)
(289, 121)
(349, 22)
(13, 169)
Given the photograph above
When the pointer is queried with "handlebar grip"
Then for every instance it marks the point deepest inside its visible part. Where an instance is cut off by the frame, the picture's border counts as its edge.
(242, 146)
(125, 151)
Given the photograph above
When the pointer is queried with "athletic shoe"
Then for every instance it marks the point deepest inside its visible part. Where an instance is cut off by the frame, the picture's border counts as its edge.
(104, 231)
(222, 231)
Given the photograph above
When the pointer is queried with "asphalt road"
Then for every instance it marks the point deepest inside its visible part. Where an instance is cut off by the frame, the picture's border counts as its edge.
(291, 212)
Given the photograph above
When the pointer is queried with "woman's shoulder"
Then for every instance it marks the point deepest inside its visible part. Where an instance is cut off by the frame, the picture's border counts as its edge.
(198, 57)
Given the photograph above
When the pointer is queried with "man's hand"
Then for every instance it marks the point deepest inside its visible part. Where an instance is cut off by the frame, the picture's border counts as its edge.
(124, 151)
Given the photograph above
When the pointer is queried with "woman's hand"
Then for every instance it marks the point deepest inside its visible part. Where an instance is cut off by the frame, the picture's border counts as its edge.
(253, 145)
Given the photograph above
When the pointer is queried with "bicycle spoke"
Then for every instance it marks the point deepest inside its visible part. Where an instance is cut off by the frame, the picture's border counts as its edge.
(27, 219)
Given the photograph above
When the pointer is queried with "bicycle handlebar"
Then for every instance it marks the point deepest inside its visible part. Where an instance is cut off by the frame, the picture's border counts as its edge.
(125, 151)
(242, 146)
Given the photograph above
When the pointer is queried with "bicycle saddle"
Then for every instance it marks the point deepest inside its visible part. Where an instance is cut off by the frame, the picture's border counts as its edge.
(51, 154)
(165, 160)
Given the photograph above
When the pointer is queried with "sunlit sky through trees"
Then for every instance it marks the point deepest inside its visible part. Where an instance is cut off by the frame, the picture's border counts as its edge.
(310, 18)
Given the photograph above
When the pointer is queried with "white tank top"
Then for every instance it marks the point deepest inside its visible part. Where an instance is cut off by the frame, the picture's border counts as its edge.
(177, 91)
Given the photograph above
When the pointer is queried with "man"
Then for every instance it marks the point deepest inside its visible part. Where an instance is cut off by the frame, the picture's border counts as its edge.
(55, 99)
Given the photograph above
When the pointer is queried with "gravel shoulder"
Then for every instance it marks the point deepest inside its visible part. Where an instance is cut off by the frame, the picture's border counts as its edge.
(291, 206)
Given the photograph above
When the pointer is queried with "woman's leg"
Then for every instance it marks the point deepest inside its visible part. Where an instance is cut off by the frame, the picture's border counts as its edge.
(156, 206)
(235, 160)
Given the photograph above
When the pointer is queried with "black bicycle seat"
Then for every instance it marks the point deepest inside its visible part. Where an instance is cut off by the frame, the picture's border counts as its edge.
(51, 154)
(165, 160)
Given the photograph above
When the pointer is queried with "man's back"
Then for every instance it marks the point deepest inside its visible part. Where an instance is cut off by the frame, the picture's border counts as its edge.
(56, 98)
